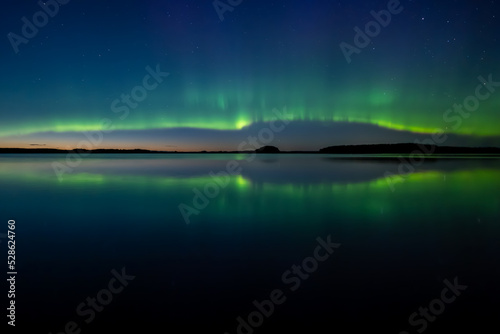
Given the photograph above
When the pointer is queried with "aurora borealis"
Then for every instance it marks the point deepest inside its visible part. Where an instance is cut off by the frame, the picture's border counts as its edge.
(225, 78)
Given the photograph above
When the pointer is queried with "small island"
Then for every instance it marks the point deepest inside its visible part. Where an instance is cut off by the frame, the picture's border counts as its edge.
(268, 149)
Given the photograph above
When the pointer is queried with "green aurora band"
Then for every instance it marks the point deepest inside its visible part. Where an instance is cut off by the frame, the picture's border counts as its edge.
(236, 109)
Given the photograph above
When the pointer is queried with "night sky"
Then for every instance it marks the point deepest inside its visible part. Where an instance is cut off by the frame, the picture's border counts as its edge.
(219, 81)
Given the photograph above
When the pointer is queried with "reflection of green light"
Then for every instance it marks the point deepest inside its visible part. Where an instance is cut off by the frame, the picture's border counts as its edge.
(242, 182)
(415, 195)
(375, 199)
(87, 178)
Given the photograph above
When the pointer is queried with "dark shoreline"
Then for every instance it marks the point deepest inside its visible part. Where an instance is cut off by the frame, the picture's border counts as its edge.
(379, 149)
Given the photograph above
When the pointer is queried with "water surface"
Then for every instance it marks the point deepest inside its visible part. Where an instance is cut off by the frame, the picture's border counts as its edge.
(400, 237)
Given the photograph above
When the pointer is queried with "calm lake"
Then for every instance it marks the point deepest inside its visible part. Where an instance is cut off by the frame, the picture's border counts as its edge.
(215, 243)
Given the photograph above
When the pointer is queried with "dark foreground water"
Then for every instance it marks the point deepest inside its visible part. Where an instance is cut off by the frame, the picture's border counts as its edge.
(306, 243)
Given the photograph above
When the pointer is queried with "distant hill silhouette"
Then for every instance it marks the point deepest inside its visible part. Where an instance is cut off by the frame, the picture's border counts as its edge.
(407, 148)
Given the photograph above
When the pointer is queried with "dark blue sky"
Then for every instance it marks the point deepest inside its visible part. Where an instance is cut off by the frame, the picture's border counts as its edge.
(94, 62)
